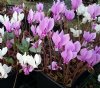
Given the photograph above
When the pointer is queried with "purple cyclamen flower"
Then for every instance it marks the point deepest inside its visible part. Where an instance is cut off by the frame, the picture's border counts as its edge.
(37, 43)
(94, 10)
(57, 9)
(33, 29)
(76, 3)
(39, 6)
(39, 16)
(17, 32)
(60, 39)
(30, 16)
(89, 37)
(9, 44)
(70, 52)
(27, 69)
(85, 54)
(69, 14)
(54, 66)
(45, 26)
(18, 9)
(8, 26)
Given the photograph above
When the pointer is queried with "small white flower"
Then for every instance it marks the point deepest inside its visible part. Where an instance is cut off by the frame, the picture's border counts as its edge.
(37, 59)
(4, 18)
(98, 78)
(87, 17)
(98, 19)
(3, 52)
(28, 59)
(4, 70)
(17, 17)
(28, 39)
(97, 28)
(1, 34)
(81, 9)
(76, 33)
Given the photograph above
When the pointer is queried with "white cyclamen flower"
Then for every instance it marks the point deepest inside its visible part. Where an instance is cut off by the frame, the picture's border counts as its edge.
(28, 59)
(87, 17)
(4, 18)
(1, 34)
(3, 51)
(4, 70)
(76, 33)
(98, 19)
(98, 78)
(97, 28)
(17, 17)
(81, 9)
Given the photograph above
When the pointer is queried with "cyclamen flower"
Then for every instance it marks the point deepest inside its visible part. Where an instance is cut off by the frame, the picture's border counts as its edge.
(6, 22)
(54, 66)
(28, 62)
(69, 14)
(76, 4)
(87, 17)
(94, 10)
(30, 16)
(60, 39)
(1, 34)
(3, 51)
(98, 19)
(42, 29)
(4, 70)
(70, 52)
(9, 44)
(85, 55)
(57, 9)
(89, 37)
(38, 16)
(81, 9)
(37, 43)
(39, 6)
(97, 28)
(33, 29)
(92, 57)
(98, 78)
(76, 33)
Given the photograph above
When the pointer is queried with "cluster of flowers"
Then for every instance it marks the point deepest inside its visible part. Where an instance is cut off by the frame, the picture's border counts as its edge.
(42, 26)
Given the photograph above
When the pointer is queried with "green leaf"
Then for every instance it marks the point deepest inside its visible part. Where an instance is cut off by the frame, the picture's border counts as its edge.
(9, 60)
(35, 50)
(23, 47)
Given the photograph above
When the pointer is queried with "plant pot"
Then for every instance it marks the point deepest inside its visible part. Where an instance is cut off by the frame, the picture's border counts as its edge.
(81, 80)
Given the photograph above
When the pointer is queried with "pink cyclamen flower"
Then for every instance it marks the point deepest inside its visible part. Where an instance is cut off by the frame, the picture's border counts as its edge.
(39, 16)
(89, 37)
(30, 16)
(33, 29)
(27, 69)
(17, 9)
(76, 3)
(69, 14)
(94, 10)
(70, 52)
(8, 26)
(39, 6)
(85, 55)
(37, 43)
(54, 66)
(60, 39)
(42, 29)
(9, 44)
(57, 9)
